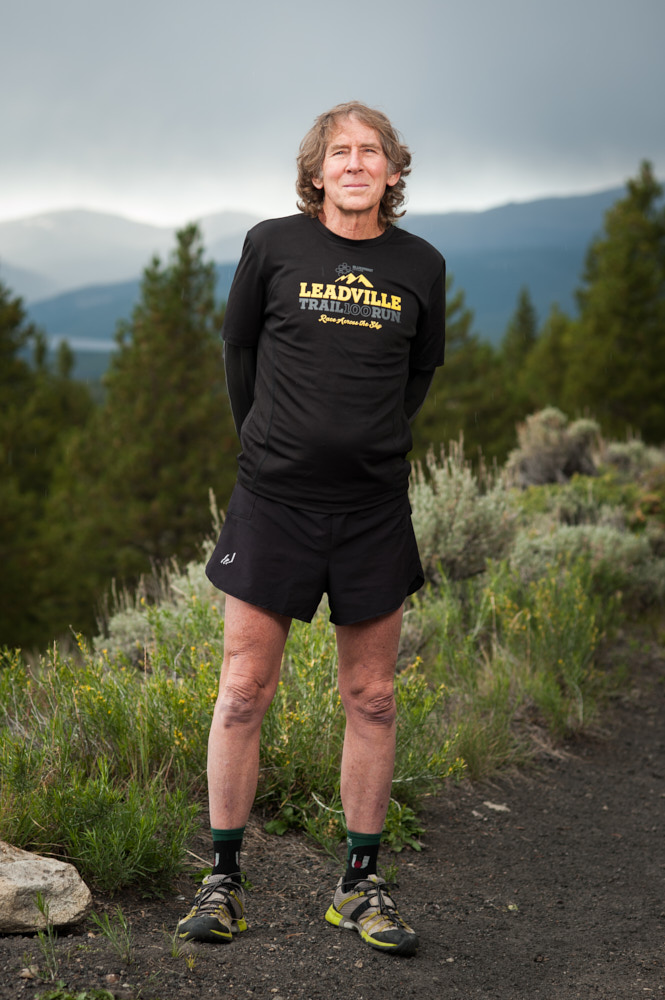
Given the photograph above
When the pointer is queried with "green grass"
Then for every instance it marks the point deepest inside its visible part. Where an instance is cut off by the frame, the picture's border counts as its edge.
(118, 932)
(103, 763)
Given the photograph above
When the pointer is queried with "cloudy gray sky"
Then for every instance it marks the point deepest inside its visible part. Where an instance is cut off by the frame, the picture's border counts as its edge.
(165, 110)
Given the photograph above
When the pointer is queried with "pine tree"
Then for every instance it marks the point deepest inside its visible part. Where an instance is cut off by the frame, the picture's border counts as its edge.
(545, 368)
(39, 408)
(138, 478)
(17, 505)
(466, 394)
(515, 349)
(520, 336)
(616, 350)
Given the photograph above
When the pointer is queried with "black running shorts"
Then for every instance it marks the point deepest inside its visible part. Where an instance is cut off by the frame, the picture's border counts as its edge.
(284, 559)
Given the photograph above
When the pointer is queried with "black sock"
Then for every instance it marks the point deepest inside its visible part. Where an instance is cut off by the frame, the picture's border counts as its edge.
(361, 857)
(227, 845)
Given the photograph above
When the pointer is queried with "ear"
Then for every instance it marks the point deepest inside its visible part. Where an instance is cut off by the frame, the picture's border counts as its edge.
(318, 183)
(392, 180)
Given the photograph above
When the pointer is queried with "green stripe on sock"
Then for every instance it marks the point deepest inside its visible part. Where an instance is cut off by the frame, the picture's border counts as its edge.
(236, 834)
(355, 840)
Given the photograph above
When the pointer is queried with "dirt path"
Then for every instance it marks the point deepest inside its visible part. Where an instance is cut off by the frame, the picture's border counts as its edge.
(559, 895)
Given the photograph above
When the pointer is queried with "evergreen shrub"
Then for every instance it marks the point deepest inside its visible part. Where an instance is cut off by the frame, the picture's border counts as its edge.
(620, 562)
(164, 612)
(551, 450)
(461, 519)
(583, 500)
(632, 458)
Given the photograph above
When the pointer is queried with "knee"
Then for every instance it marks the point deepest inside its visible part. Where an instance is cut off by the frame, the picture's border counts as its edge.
(241, 701)
(373, 706)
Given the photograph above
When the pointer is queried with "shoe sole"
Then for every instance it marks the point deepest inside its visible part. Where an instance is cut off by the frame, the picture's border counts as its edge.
(199, 931)
(406, 947)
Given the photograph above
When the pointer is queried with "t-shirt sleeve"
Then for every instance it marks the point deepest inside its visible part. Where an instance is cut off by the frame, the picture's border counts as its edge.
(428, 346)
(243, 318)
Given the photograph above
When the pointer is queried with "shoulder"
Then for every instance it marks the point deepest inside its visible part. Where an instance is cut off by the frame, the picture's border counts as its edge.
(270, 229)
(410, 243)
(424, 259)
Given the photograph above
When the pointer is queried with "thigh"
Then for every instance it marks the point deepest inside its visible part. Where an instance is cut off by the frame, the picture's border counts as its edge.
(367, 653)
(254, 640)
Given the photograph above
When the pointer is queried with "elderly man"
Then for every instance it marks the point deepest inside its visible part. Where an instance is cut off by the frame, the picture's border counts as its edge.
(334, 327)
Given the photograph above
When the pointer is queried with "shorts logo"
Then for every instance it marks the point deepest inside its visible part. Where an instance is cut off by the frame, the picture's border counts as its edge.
(228, 559)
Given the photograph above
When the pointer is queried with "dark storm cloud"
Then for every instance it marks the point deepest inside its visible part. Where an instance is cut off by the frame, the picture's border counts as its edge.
(176, 108)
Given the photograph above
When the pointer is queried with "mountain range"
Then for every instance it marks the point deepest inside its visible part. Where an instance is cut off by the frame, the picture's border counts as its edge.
(78, 271)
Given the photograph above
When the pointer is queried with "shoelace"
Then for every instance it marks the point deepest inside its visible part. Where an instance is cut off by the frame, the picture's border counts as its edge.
(216, 894)
(386, 905)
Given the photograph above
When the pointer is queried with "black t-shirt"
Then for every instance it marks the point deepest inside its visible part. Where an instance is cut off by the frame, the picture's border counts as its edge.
(337, 324)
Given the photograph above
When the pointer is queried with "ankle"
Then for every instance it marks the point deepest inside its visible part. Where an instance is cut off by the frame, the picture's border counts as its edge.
(227, 845)
(362, 856)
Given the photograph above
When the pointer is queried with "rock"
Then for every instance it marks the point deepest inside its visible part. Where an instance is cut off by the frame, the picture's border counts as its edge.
(22, 876)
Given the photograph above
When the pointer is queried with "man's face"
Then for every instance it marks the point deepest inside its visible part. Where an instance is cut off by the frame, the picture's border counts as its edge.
(355, 170)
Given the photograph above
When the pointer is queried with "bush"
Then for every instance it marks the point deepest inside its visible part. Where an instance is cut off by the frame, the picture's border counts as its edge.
(619, 562)
(552, 451)
(102, 763)
(632, 458)
(583, 500)
(599, 500)
(458, 523)
(168, 612)
(547, 630)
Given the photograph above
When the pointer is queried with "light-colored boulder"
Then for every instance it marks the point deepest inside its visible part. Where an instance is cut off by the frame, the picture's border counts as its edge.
(22, 876)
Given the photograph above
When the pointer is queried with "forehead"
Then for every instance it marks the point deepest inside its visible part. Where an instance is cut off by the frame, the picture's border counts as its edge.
(351, 130)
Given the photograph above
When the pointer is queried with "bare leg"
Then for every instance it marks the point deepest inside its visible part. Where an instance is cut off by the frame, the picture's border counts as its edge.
(253, 646)
(367, 659)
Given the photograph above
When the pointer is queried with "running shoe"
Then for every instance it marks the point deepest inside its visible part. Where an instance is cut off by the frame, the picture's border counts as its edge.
(368, 909)
(217, 913)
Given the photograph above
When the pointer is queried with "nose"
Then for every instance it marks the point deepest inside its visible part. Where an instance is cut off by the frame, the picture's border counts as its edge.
(353, 162)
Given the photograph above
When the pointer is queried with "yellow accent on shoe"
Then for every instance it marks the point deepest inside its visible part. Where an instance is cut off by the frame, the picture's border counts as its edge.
(217, 912)
(369, 910)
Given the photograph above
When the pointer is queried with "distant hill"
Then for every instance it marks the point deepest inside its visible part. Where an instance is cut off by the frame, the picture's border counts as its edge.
(94, 260)
(492, 254)
(27, 284)
(88, 317)
(565, 222)
(74, 248)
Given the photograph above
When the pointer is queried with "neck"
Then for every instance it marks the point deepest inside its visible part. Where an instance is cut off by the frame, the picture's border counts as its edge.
(352, 225)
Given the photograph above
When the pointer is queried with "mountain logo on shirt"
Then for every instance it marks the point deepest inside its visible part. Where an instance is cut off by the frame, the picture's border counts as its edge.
(350, 279)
